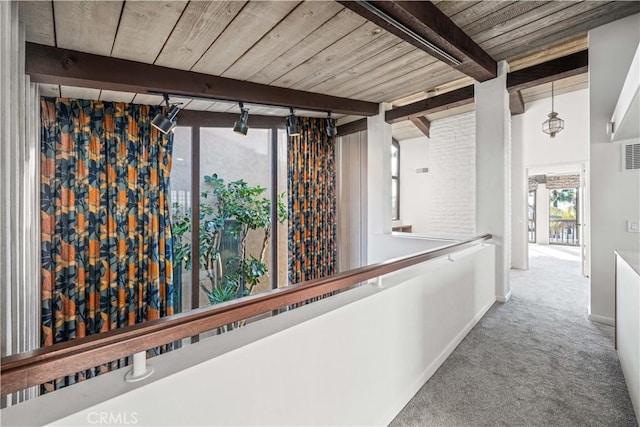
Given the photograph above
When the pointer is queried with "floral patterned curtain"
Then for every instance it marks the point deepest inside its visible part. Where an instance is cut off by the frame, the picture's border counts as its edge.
(106, 233)
(312, 202)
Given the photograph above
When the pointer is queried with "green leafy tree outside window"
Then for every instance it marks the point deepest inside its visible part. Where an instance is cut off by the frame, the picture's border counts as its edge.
(227, 211)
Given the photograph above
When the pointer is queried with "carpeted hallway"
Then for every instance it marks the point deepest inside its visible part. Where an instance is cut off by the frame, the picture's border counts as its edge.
(536, 360)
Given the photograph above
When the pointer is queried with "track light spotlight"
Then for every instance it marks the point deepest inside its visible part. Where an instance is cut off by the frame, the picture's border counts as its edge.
(332, 130)
(241, 125)
(292, 124)
(165, 124)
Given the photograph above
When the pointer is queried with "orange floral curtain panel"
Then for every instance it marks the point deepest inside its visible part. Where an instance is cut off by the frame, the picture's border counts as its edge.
(312, 202)
(106, 232)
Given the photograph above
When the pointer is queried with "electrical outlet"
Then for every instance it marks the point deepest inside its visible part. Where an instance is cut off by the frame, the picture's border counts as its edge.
(633, 226)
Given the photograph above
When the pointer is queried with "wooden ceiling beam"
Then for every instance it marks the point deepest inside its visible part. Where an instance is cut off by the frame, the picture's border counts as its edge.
(516, 103)
(556, 69)
(227, 120)
(445, 40)
(422, 124)
(446, 101)
(46, 64)
(352, 127)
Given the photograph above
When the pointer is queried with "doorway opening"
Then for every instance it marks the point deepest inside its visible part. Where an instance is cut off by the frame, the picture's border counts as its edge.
(556, 212)
(563, 217)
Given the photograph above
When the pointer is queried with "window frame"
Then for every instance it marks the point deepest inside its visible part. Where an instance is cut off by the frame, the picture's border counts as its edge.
(196, 124)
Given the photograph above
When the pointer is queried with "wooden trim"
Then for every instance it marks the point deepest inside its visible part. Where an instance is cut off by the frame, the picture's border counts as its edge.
(556, 69)
(516, 103)
(446, 101)
(422, 124)
(226, 120)
(352, 127)
(48, 363)
(427, 21)
(46, 64)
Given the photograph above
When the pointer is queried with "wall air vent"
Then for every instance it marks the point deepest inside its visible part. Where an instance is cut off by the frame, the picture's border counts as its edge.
(631, 153)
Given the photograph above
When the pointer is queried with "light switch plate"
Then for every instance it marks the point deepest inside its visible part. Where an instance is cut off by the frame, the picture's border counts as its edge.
(633, 226)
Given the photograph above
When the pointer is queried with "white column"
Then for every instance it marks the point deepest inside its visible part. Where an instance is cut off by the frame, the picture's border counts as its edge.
(519, 196)
(542, 215)
(493, 155)
(378, 200)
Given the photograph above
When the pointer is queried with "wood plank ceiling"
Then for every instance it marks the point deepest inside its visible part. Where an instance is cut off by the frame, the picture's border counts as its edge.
(316, 46)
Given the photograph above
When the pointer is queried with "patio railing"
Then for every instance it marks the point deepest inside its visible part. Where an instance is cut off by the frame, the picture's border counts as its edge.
(563, 232)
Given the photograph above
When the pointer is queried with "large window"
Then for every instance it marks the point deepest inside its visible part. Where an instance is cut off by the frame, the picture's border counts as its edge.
(240, 249)
(395, 180)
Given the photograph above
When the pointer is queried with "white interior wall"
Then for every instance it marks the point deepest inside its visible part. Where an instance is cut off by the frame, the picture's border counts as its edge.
(615, 195)
(351, 154)
(570, 146)
(353, 359)
(19, 193)
(414, 194)
(535, 152)
(378, 201)
(519, 198)
(441, 202)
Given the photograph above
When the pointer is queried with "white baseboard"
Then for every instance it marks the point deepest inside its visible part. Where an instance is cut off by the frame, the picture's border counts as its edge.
(505, 298)
(602, 319)
(433, 366)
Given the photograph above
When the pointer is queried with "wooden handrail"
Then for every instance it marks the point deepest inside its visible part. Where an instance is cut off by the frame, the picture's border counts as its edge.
(45, 364)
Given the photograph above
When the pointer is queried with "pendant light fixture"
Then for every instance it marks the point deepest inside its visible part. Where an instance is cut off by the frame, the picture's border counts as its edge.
(166, 123)
(241, 125)
(292, 124)
(332, 130)
(553, 124)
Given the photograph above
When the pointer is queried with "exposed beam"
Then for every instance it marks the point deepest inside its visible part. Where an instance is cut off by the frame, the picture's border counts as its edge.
(516, 103)
(446, 101)
(423, 124)
(227, 120)
(418, 21)
(46, 64)
(352, 127)
(556, 69)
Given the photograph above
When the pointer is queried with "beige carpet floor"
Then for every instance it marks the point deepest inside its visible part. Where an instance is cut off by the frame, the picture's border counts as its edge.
(534, 361)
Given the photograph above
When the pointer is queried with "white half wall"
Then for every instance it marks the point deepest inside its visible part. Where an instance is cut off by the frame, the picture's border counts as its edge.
(628, 324)
(353, 359)
(615, 195)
